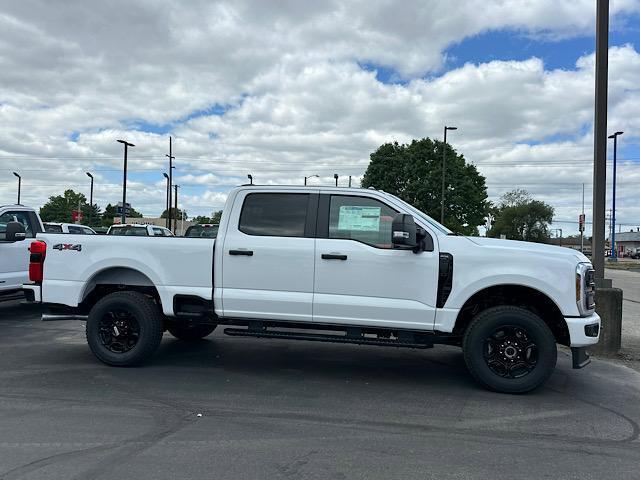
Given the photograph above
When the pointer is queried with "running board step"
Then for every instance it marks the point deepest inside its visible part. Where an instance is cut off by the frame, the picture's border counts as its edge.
(320, 337)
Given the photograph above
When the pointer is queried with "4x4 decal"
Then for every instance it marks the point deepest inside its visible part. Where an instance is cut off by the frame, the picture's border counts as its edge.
(67, 246)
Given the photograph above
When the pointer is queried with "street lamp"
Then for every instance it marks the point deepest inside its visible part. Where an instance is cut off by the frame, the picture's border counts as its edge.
(335, 175)
(124, 181)
(250, 177)
(19, 185)
(166, 202)
(90, 199)
(171, 167)
(175, 224)
(444, 158)
(614, 252)
(310, 176)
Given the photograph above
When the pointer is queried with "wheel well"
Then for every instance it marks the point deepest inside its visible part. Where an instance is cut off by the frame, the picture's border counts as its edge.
(116, 279)
(519, 296)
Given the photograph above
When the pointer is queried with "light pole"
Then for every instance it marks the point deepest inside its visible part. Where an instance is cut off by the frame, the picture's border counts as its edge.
(250, 177)
(166, 201)
(175, 224)
(171, 167)
(310, 176)
(19, 185)
(444, 158)
(614, 252)
(90, 199)
(124, 181)
(335, 175)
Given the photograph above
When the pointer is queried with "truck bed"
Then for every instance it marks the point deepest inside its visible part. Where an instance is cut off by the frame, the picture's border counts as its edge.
(74, 264)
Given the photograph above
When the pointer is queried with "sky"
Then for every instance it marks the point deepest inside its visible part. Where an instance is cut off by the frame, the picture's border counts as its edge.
(286, 89)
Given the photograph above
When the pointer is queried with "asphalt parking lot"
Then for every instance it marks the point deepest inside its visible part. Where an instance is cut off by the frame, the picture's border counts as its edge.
(233, 408)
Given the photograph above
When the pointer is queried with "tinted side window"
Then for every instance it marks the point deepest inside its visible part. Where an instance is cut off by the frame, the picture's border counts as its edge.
(158, 232)
(360, 218)
(52, 228)
(76, 230)
(274, 214)
(22, 217)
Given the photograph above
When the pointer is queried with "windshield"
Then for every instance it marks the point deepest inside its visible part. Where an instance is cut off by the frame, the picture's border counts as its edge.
(129, 231)
(208, 231)
(422, 215)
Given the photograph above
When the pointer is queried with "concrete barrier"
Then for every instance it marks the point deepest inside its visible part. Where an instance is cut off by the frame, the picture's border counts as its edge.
(609, 307)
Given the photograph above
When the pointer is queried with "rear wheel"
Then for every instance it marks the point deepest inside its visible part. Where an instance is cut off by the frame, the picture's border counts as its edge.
(124, 328)
(190, 332)
(509, 349)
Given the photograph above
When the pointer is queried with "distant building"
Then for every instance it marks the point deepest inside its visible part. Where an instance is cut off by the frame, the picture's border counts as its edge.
(628, 241)
(572, 242)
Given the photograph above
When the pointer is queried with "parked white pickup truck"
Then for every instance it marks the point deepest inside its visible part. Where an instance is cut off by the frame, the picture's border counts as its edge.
(357, 266)
(14, 255)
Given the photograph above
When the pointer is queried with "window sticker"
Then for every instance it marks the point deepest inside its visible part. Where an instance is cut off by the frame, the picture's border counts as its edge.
(358, 218)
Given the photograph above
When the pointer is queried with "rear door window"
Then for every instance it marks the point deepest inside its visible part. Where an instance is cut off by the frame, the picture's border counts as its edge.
(274, 214)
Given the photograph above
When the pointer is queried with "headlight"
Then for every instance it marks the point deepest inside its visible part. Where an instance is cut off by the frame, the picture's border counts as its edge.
(585, 288)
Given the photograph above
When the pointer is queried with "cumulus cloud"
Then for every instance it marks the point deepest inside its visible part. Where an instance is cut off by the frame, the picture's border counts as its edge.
(278, 90)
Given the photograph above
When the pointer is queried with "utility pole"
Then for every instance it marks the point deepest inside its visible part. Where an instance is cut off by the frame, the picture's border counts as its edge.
(349, 181)
(600, 141)
(90, 200)
(175, 224)
(171, 167)
(19, 185)
(444, 160)
(124, 181)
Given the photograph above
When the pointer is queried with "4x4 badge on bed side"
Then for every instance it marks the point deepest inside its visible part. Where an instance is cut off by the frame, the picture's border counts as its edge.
(67, 246)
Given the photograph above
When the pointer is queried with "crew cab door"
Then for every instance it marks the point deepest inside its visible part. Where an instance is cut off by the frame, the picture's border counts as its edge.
(14, 256)
(360, 278)
(268, 256)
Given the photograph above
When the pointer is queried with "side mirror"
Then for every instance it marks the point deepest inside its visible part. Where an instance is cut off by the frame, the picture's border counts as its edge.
(15, 232)
(403, 231)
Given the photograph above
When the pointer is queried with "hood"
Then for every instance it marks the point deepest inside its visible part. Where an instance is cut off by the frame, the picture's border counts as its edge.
(540, 248)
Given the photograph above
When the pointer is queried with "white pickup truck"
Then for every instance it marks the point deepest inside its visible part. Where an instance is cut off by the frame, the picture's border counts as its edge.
(14, 255)
(332, 265)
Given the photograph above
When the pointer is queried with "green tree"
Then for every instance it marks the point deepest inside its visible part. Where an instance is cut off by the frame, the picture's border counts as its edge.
(111, 212)
(214, 218)
(520, 217)
(175, 214)
(413, 172)
(59, 208)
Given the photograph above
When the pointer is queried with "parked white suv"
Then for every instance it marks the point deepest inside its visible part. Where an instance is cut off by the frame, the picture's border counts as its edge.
(14, 255)
(139, 230)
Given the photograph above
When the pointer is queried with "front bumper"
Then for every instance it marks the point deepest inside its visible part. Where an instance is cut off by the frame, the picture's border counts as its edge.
(583, 331)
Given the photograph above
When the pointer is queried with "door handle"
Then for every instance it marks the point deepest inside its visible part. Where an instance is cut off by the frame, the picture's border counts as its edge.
(248, 253)
(333, 256)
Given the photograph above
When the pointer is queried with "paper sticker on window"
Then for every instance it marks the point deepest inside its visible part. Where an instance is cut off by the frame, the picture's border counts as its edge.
(359, 218)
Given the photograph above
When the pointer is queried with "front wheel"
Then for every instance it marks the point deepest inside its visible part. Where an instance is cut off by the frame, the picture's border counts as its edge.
(124, 328)
(509, 349)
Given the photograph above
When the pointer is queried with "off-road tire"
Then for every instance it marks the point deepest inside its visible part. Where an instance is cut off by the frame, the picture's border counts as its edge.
(492, 319)
(146, 313)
